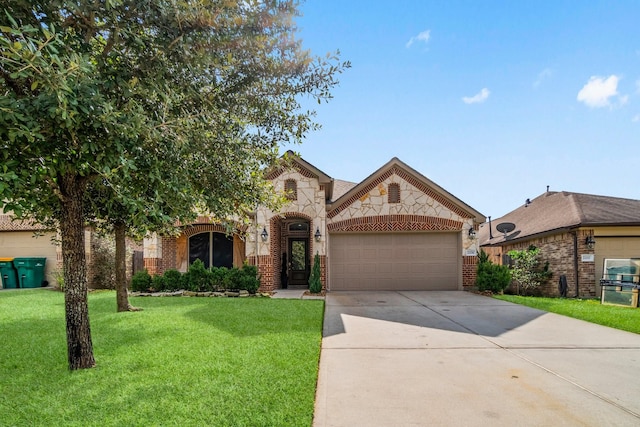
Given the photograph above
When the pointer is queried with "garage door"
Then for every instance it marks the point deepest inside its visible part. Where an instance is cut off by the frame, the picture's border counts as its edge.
(394, 261)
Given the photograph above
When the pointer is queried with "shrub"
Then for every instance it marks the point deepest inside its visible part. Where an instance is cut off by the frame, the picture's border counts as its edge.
(526, 272)
(158, 283)
(141, 281)
(219, 278)
(249, 279)
(491, 277)
(315, 283)
(197, 277)
(172, 280)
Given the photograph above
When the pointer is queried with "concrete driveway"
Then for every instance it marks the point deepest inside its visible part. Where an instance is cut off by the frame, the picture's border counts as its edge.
(459, 359)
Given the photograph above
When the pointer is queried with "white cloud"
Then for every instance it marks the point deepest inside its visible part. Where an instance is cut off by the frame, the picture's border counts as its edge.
(636, 118)
(598, 91)
(422, 37)
(543, 75)
(478, 97)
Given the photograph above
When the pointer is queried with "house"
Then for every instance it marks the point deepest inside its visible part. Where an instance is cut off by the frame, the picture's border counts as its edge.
(28, 239)
(395, 230)
(575, 233)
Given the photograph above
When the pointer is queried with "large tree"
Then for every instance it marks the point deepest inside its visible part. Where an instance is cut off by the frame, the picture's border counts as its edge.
(152, 99)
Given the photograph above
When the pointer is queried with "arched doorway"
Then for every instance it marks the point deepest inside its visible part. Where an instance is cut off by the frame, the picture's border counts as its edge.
(295, 239)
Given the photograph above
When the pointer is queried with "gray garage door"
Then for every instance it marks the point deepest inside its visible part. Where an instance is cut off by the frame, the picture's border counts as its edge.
(394, 261)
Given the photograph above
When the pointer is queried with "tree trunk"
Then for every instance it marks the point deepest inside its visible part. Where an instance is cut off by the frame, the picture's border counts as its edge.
(122, 293)
(79, 346)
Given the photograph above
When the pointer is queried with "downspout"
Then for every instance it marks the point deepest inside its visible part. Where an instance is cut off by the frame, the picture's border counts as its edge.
(575, 262)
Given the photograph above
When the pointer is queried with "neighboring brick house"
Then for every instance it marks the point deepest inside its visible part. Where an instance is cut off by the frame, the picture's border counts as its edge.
(575, 233)
(394, 230)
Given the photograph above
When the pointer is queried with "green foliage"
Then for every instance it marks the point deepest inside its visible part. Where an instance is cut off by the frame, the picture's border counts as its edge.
(315, 282)
(138, 112)
(141, 281)
(250, 280)
(527, 272)
(491, 277)
(197, 277)
(158, 283)
(172, 280)
(200, 279)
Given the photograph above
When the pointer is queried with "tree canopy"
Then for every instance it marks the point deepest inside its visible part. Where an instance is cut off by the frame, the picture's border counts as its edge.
(168, 106)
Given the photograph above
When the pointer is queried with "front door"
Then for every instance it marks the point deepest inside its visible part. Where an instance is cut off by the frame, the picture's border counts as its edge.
(298, 261)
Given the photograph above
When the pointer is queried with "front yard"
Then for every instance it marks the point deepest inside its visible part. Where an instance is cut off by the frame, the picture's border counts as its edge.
(624, 318)
(181, 361)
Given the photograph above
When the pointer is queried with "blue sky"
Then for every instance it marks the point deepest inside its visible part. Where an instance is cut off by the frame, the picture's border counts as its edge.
(492, 100)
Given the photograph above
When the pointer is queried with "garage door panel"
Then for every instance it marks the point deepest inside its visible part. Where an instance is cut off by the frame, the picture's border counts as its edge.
(394, 261)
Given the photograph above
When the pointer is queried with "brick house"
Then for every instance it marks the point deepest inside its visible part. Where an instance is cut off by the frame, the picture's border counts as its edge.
(394, 230)
(575, 233)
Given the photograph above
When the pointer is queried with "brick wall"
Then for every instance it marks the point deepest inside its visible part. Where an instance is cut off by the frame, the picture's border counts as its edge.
(558, 250)
(469, 268)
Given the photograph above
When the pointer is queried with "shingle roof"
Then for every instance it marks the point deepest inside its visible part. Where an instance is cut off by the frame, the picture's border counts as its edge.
(341, 187)
(563, 210)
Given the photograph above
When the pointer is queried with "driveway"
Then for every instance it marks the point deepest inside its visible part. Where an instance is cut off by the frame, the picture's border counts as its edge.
(460, 359)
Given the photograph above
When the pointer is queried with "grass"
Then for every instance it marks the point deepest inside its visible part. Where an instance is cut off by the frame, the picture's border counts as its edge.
(624, 318)
(181, 361)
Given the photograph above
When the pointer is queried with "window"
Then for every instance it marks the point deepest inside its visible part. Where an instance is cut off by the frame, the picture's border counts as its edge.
(299, 226)
(213, 249)
(291, 189)
(394, 193)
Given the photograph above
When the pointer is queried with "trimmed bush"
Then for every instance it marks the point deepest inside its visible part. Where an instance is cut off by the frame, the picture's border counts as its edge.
(491, 277)
(158, 283)
(172, 280)
(250, 280)
(197, 277)
(141, 281)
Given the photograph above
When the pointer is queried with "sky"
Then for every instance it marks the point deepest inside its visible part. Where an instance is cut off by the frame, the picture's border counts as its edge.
(492, 100)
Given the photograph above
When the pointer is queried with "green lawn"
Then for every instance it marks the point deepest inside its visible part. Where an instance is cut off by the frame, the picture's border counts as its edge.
(180, 362)
(625, 318)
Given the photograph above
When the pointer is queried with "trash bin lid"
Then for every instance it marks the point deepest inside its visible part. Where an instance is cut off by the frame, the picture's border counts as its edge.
(6, 259)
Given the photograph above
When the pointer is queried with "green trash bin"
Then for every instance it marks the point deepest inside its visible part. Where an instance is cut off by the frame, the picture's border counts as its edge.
(8, 273)
(30, 271)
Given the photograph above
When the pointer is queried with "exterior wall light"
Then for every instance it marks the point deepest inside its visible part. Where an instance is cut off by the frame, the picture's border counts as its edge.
(590, 242)
(317, 235)
(264, 234)
(472, 233)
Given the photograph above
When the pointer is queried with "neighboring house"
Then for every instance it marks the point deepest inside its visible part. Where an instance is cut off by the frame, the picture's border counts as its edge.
(396, 230)
(28, 239)
(575, 233)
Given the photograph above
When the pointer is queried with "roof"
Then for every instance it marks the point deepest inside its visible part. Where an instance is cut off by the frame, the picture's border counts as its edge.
(341, 187)
(562, 210)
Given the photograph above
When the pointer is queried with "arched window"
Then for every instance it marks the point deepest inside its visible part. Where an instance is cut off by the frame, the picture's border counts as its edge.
(299, 226)
(291, 189)
(214, 249)
(394, 193)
